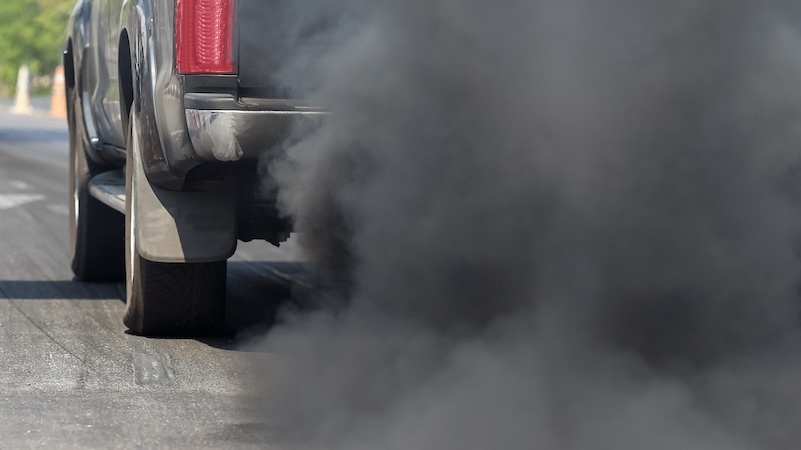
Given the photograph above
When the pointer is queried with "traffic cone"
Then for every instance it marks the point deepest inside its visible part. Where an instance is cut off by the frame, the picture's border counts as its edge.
(22, 101)
(58, 102)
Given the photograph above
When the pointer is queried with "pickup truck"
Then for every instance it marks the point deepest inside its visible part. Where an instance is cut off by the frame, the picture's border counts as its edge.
(171, 104)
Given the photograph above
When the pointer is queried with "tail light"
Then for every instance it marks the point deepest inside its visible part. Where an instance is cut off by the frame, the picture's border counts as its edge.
(204, 38)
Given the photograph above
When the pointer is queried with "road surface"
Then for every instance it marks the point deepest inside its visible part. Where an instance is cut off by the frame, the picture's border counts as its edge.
(71, 377)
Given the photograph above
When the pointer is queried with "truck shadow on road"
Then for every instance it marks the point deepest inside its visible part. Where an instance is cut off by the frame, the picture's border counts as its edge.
(257, 291)
(57, 290)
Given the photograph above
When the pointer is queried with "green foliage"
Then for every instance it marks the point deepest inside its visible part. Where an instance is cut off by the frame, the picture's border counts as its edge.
(32, 32)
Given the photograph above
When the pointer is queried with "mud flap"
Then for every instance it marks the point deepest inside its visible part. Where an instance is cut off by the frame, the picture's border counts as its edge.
(197, 224)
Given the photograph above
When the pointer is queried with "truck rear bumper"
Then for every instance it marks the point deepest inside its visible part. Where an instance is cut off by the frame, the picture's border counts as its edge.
(222, 128)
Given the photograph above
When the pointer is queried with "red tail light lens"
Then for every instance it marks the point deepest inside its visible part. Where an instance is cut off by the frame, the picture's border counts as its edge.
(204, 38)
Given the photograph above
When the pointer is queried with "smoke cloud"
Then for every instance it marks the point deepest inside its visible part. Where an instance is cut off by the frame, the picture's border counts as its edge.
(563, 224)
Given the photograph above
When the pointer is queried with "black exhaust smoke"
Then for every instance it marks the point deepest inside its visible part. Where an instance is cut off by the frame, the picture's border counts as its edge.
(567, 225)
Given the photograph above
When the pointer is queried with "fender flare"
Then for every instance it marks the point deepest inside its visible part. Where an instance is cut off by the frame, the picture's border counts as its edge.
(158, 91)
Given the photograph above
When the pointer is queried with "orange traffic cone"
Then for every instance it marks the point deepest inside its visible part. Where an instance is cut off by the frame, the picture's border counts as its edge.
(58, 102)
(22, 100)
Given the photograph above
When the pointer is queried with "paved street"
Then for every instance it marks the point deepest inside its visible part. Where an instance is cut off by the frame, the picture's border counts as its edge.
(71, 376)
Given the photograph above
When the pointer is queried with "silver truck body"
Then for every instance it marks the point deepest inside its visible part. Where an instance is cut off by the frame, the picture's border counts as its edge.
(175, 153)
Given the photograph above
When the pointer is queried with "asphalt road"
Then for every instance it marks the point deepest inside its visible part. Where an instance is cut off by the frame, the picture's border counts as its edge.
(70, 376)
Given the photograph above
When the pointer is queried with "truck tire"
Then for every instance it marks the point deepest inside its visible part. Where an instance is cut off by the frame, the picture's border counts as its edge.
(167, 299)
(96, 231)
(172, 299)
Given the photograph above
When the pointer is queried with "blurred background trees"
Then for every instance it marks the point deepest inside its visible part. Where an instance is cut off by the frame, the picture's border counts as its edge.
(32, 32)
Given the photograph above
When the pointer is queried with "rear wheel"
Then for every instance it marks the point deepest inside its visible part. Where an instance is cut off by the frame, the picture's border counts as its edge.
(96, 231)
(166, 298)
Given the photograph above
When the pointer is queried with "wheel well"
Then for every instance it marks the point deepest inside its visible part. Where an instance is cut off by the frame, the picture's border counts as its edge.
(125, 78)
(69, 66)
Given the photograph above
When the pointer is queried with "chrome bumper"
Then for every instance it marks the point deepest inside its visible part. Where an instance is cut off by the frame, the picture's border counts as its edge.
(231, 135)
